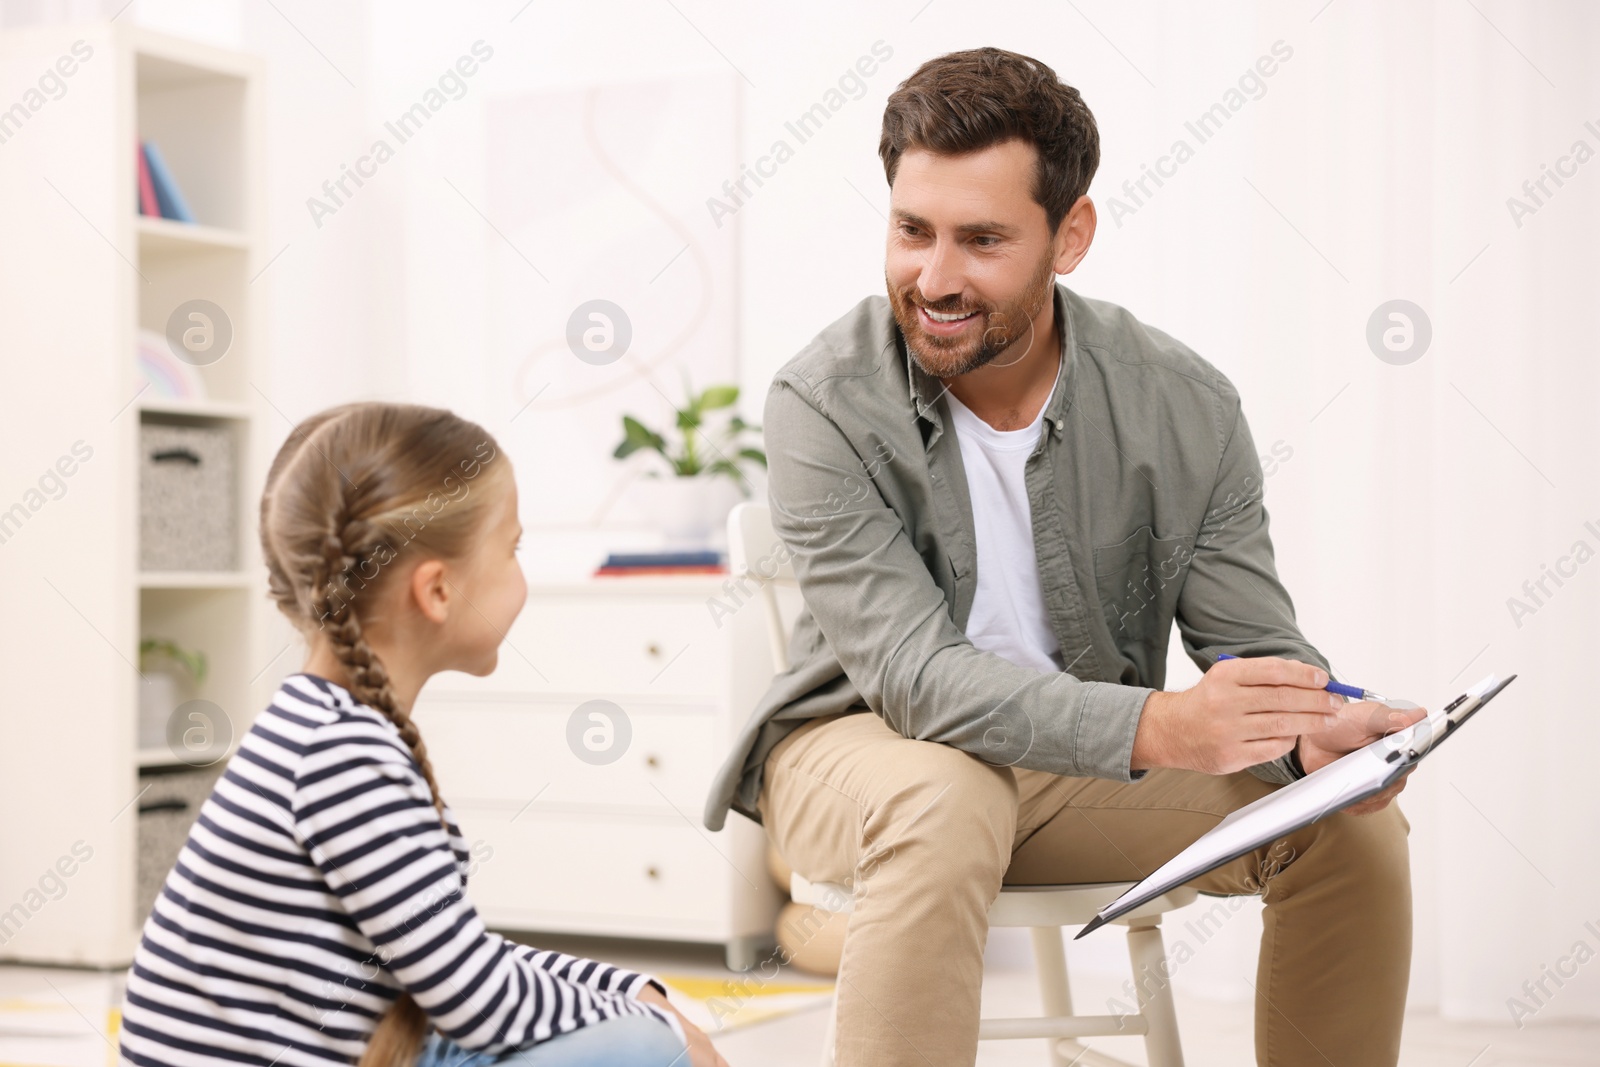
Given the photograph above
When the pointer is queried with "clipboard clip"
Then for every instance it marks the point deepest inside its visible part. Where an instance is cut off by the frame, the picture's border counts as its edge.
(1412, 743)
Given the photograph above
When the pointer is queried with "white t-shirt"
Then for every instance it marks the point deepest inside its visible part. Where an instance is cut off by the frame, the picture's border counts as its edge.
(1008, 614)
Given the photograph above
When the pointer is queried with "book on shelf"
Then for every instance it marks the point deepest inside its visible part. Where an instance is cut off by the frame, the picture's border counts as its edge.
(708, 561)
(170, 202)
(148, 205)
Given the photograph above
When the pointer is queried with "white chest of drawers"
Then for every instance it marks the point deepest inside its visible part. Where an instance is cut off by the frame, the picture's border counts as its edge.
(589, 821)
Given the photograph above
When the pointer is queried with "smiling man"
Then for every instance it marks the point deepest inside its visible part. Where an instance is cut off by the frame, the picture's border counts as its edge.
(1000, 496)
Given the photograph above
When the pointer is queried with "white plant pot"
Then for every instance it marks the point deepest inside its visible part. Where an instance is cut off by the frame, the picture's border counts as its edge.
(691, 513)
(158, 697)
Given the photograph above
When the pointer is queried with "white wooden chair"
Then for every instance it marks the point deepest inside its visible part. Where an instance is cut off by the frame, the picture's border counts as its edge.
(756, 556)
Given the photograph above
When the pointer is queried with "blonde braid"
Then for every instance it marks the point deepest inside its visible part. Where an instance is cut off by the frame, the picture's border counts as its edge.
(398, 1038)
(369, 681)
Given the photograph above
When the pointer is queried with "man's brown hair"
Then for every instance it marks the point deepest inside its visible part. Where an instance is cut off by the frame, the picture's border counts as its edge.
(967, 101)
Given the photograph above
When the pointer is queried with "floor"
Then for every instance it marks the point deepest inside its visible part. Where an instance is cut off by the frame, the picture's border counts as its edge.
(60, 1018)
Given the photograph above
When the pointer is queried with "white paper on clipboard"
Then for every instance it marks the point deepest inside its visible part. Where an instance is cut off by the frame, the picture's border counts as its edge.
(1347, 780)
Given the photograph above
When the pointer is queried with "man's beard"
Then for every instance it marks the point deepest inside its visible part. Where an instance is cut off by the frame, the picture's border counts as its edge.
(950, 357)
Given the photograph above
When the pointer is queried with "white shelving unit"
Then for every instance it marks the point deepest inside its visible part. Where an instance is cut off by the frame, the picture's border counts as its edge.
(81, 273)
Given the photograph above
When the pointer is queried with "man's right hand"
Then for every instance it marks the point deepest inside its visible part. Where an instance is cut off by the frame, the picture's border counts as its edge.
(1242, 712)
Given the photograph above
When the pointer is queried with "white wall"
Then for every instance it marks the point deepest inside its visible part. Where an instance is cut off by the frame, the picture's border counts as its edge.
(1376, 165)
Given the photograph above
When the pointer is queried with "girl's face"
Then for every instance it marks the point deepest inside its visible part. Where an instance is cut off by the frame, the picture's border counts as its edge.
(489, 584)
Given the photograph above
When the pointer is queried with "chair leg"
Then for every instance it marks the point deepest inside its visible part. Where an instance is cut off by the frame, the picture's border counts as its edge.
(1152, 982)
(1055, 992)
(830, 1029)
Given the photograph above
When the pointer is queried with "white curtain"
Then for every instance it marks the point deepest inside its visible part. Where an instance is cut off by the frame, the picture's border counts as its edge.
(1387, 160)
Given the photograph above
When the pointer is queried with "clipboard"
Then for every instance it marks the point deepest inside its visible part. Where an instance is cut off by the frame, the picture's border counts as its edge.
(1348, 780)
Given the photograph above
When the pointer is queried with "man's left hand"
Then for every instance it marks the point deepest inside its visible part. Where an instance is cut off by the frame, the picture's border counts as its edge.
(1359, 725)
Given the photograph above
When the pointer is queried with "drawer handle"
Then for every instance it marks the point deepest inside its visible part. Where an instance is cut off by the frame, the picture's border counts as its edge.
(651, 761)
(652, 872)
(653, 650)
(169, 804)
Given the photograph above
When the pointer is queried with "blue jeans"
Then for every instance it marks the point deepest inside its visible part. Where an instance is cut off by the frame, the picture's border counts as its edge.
(624, 1041)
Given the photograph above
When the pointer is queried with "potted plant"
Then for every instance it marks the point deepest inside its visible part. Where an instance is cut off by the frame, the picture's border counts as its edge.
(703, 469)
(164, 667)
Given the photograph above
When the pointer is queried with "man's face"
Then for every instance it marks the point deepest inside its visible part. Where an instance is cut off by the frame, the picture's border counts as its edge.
(967, 238)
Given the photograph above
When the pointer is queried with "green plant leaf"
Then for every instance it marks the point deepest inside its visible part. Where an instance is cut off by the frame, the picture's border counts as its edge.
(719, 396)
(637, 436)
(193, 662)
(684, 452)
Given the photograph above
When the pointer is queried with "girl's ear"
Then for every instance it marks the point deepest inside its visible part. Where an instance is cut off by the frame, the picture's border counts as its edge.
(431, 591)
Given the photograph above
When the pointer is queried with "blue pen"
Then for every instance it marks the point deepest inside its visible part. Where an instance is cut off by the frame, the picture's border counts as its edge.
(1353, 692)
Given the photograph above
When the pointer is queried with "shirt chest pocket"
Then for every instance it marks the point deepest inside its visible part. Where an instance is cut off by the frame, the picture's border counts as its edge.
(1138, 579)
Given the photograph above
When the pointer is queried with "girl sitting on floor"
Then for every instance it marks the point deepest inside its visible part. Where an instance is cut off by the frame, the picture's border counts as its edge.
(318, 914)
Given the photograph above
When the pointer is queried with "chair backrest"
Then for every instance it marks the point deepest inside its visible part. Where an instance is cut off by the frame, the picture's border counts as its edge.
(757, 555)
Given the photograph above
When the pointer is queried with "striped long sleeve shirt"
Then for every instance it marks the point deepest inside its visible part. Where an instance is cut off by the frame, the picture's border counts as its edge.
(316, 885)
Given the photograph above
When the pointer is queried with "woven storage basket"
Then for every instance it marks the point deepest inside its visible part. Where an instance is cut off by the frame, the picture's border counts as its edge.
(187, 494)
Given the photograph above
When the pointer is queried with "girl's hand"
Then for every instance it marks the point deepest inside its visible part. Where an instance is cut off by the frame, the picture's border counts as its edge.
(701, 1052)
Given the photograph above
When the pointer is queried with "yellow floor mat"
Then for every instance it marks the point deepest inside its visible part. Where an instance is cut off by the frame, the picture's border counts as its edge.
(724, 1003)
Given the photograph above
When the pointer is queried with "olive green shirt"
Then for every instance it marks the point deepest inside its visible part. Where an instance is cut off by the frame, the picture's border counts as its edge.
(1145, 492)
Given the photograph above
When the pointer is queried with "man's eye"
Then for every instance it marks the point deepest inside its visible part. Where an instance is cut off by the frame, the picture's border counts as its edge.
(994, 241)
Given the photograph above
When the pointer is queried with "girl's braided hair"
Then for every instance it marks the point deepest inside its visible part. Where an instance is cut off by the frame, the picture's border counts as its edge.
(351, 490)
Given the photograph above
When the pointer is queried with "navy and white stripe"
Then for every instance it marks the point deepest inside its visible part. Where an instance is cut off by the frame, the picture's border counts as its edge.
(315, 886)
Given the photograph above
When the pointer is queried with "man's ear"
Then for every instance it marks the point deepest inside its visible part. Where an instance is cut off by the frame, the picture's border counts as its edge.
(431, 591)
(1075, 235)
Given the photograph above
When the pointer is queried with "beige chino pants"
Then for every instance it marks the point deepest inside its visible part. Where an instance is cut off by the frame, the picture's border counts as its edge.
(927, 834)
